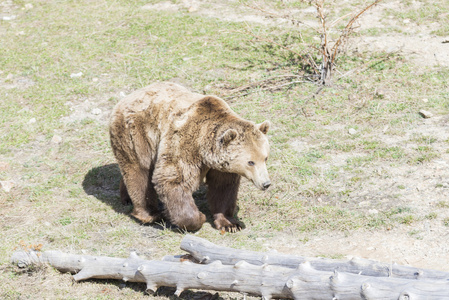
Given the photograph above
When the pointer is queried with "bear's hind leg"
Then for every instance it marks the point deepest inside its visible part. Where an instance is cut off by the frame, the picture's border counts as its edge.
(142, 194)
(222, 197)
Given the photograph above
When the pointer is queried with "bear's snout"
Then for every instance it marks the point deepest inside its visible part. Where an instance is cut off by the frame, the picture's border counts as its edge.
(266, 185)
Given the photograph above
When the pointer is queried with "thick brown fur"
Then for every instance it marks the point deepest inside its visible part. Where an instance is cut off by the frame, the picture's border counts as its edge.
(167, 140)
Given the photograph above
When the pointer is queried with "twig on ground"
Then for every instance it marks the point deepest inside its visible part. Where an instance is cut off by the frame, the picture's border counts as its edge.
(269, 88)
(302, 108)
(366, 65)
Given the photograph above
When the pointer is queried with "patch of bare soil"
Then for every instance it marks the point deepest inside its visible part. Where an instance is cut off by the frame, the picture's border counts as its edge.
(412, 40)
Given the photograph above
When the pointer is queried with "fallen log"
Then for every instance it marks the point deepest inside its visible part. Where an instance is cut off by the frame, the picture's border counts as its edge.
(267, 281)
(206, 252)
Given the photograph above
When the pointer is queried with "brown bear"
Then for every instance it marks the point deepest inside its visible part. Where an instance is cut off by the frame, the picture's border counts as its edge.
(167, 140)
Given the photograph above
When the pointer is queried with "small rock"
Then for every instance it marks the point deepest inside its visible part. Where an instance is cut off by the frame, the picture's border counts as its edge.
(373, 211)
(96, 111)
(352, 131)
(425, 100)
(32, 121)
(46, 223)
(122, 95)
(28, 6)
(406, 21)
(425, 114)
(95, 79)
(7, 185)
(56, 139)
(193, 8)
(4, 166)
(370, 248)
(76, 75)
(8, 18)
(20, 33)
(9, 77)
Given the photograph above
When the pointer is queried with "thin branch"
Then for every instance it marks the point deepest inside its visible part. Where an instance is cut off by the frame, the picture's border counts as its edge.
(336, 21)
(319, 4)
(269, 88)
(346, 31)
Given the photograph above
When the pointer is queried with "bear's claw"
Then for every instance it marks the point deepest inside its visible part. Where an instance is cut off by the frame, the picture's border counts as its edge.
(230, 229)
(226, 224)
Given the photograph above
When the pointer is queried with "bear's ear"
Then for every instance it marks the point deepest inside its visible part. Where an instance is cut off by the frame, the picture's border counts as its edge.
(264, 127)
(228, 136)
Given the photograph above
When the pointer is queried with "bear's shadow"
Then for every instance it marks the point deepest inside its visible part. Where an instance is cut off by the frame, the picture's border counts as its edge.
(103, 183)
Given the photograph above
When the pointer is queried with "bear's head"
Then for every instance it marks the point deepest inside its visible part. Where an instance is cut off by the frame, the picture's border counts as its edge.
(244, 150)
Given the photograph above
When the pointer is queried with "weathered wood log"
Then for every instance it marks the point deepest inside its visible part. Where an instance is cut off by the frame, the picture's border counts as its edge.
(267, 281)
(207, 252)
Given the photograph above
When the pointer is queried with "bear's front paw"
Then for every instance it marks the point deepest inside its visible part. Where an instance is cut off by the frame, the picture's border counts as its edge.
(146, 218)
(225, 224)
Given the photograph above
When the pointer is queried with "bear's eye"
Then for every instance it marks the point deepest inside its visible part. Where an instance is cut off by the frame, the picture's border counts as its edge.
(266, 158)
(251, 163)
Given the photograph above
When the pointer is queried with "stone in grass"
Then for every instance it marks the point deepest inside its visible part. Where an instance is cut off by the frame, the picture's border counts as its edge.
(76, 75)
(352, 131)
(425, 114)
(56, 139)
(7, 185)
(96, 111)
(8, 18)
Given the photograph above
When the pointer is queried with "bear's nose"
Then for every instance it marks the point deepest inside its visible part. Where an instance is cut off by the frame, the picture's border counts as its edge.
(266, 184)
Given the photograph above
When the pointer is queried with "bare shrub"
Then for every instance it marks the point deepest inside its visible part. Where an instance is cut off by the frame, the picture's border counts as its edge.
(319, 59)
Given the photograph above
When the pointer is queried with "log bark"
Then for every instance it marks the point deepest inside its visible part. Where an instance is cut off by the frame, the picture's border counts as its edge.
(267, 281)
(207, 252)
